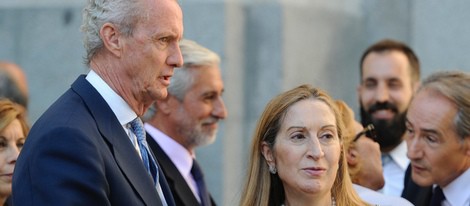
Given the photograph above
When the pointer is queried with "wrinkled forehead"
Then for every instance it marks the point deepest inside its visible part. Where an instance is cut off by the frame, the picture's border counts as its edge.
(308, 112)
(431, 110)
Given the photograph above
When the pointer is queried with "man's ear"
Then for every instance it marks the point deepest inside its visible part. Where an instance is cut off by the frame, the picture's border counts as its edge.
(352, 156)
(268, 154)
(111, 39)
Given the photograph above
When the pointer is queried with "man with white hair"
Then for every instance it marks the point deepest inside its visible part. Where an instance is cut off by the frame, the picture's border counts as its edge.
(89, 147)
(187, 119)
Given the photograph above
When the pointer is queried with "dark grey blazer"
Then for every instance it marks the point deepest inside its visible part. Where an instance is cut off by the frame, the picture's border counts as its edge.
(77, 153)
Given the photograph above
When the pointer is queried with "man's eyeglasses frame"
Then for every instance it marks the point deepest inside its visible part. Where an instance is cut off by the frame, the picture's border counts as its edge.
(369, 131)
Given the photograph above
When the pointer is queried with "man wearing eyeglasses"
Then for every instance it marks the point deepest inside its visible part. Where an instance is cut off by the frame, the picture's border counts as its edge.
(389, 77)
(363, 158)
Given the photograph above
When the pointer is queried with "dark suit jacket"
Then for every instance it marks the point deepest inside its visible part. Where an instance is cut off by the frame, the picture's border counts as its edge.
(179, 188)
(419, 196)
(77, 153)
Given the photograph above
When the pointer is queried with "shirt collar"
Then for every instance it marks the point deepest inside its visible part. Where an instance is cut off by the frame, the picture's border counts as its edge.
(179, 155)
(398, 155)
(458, 191)
(120, 108)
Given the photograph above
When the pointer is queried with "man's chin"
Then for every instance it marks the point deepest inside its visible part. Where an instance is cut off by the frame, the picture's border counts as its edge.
(161, 95)
(421, 180)
(157, 93)
(207, 139)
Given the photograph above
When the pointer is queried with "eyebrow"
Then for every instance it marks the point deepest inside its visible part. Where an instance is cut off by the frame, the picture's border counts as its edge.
(388, 79)
(295, 127)
(429, 131)
(407, 120)
(370, 79)
(210, 93)
(303, 127)
(394, 79)
(328, 126)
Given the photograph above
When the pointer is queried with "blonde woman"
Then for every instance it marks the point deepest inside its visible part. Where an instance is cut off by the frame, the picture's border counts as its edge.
(13, 131)
(297, 155)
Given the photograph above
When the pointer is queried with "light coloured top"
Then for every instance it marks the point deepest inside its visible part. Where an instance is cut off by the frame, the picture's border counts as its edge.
(394, 170)
(376, 198)
(457, 193)
(180, 157)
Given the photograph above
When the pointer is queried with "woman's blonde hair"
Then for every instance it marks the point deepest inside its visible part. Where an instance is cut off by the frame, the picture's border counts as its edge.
(10, 111)
(263, 188)
(347, 115)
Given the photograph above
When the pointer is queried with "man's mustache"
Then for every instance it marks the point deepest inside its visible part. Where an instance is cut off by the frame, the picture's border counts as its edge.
(383, 106)
(210, 120)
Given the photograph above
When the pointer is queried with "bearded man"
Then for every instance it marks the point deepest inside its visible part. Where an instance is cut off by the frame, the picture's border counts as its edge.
(390, 75)
(187, 119)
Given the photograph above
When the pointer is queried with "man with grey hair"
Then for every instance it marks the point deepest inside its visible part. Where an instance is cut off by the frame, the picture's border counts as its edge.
(187, 119)
(89, 147)
(438, 137)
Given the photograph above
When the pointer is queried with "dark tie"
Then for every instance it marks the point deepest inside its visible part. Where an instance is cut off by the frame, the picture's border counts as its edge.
(201, 185)
(437, 197)
(148, 160)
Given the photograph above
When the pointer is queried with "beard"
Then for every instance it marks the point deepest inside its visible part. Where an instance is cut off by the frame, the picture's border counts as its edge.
(195, 133)
(389, 132)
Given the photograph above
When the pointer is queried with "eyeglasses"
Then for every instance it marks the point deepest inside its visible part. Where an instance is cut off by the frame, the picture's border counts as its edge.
(369, 131)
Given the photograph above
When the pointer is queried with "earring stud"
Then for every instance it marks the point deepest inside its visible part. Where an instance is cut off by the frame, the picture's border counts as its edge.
(272, 169)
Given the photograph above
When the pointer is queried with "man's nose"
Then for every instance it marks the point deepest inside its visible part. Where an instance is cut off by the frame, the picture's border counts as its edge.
(219, 110)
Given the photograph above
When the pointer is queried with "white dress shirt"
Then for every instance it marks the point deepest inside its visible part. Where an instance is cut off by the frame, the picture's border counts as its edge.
(457, 193)
(376, 198)
(394, 170)
(120, 108)
(180, 157)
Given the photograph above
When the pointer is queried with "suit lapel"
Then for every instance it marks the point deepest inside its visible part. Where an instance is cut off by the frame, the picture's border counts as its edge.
(124, 153)
(176, 182)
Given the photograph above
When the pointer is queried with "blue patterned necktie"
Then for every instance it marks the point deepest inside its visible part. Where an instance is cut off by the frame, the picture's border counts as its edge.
(147, 158)
(201, 185)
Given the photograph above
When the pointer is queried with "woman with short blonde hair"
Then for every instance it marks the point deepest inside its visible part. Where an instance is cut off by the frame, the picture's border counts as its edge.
(13, 131)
